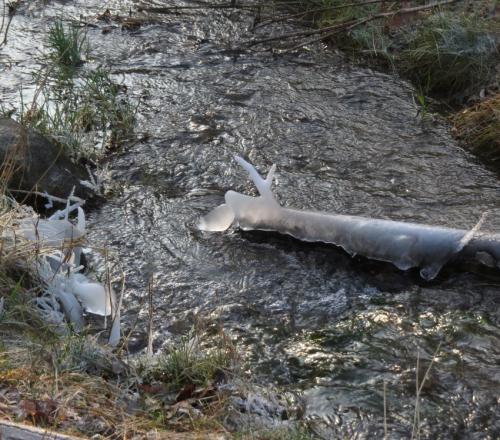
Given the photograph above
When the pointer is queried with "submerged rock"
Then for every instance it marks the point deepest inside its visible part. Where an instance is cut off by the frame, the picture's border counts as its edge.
(32, 162)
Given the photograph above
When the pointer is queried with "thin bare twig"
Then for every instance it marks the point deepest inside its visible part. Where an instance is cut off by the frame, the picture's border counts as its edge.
(416, 418)
(12, 8)
(174, 9)
(132, 328)
(410, 10)
(108, 288)
(385, 411)
(150, 317)
(417, 398)
(115, 332)
(3, 16)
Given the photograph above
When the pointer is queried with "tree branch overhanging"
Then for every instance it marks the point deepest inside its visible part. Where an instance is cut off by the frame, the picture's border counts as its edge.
(349, 25)
(304, 13)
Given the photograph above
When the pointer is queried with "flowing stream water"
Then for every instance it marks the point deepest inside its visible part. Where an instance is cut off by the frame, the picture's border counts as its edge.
(306, 318)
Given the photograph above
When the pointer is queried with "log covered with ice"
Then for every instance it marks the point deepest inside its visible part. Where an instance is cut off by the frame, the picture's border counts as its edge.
(406, 245)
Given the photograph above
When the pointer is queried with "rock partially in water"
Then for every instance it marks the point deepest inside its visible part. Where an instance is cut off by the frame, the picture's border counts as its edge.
(37, 164)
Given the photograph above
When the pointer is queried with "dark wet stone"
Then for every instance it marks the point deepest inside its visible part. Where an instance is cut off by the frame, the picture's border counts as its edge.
(38, 163)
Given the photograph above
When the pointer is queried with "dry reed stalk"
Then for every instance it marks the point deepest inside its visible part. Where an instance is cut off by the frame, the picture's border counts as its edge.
(150, 317)
(418, 388)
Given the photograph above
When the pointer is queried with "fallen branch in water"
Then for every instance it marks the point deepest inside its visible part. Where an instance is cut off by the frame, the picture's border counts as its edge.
(233, 5)
(285, 17)
(300, 34)
(406, 245)
(327, 31)
(174, 9)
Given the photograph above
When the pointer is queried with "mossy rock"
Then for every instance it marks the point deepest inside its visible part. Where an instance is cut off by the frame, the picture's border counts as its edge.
(30, 162)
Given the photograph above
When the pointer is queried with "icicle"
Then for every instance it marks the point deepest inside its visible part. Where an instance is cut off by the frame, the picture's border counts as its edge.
(50, 203)
(114, 334)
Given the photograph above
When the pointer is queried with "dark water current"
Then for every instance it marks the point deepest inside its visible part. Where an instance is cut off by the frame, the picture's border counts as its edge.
(345, 139)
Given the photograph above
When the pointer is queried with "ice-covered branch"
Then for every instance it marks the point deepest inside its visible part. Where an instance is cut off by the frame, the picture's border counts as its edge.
(406, 245)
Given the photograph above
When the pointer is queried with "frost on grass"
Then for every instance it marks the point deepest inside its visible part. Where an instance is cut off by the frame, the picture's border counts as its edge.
(406, 245)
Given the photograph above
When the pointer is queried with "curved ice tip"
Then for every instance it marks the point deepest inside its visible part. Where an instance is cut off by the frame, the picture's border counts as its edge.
(217, 220)
(263, 185)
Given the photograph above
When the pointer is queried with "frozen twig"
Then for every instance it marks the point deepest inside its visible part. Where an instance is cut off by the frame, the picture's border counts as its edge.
(406, 245)
(470, 235)
(150, 317)
(114, 334)
(49, 197)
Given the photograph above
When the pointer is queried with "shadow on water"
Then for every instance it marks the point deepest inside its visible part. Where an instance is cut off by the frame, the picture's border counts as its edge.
(345, 139)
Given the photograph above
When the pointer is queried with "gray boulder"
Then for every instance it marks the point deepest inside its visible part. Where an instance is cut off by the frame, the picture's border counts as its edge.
(33, 163)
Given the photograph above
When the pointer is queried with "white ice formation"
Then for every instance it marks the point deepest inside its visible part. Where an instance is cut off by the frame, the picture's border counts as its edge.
(406, 245)
(67, 292)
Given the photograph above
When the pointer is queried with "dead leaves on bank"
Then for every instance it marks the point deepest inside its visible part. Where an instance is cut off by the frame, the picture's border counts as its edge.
(129, 23)
(39, 412)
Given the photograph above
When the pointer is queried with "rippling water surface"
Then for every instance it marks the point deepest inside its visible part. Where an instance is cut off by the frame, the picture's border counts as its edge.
(345, 139)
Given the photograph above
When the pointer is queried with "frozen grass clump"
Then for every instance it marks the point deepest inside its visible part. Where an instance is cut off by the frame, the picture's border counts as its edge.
(188, 363)
(84, 114)
(67, 44)
(448, 49)
(77, 106)
(449, 54)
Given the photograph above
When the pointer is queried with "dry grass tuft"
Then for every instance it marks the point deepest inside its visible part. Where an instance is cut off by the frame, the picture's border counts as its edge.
(479, 127)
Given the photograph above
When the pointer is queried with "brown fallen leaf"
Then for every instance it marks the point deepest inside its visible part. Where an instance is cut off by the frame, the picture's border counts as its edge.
(186, 392)
(154, 388)
(39, 411)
